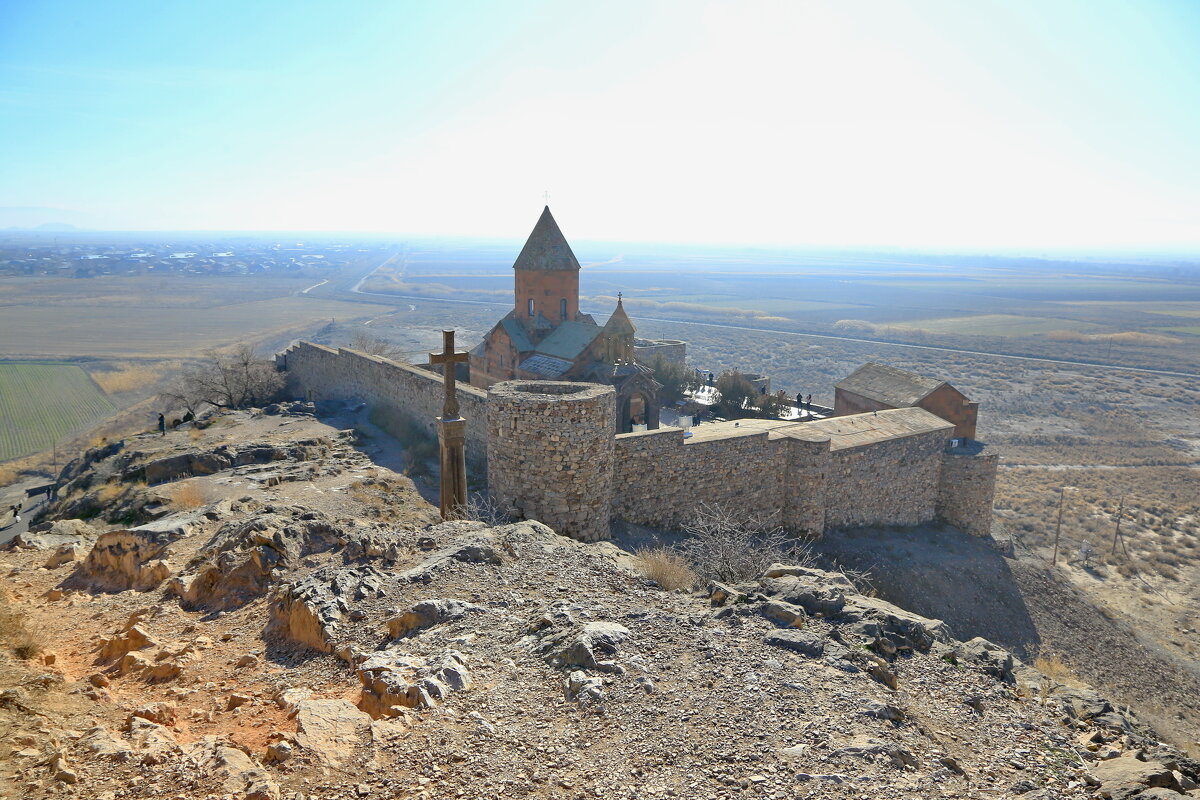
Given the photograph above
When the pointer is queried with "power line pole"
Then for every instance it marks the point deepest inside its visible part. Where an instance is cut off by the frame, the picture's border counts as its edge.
(1062, 494)
(1117, 532)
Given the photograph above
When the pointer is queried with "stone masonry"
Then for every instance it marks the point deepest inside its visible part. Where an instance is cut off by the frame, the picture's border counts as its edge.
(550, 453)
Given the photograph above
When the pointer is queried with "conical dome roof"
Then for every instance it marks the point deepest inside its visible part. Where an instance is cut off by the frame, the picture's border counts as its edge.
(619, 320)
(546, 248)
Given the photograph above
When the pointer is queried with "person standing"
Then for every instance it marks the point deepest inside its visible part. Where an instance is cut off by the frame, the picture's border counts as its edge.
(162, 425)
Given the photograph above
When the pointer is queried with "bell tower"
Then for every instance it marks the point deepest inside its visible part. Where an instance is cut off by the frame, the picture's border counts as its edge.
(546, 276)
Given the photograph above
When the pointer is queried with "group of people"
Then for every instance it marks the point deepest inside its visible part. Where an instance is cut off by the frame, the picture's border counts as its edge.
(802, 404)
(15, 510)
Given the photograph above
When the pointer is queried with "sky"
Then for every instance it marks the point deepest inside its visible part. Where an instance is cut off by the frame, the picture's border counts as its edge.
(934, 124)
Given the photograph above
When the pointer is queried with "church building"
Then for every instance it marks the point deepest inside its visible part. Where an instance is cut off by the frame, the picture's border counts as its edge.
(546, 337)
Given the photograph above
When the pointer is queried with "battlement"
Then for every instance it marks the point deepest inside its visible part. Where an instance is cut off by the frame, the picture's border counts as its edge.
(552, 453)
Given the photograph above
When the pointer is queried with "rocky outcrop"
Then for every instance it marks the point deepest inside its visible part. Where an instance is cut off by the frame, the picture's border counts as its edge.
(564, 643)
(331, 729)
(134, 558)
(308, 611)
(236, 771)
(428, 613)
(61, 533)
(392, 681)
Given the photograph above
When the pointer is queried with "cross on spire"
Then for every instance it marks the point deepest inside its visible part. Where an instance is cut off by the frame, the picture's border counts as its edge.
(448, 358)
(546, 196)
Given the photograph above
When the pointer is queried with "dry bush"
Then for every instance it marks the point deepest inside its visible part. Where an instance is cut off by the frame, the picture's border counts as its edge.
(15, 632)
(195, 434)
(481, 507)
(727, 546)
(128, 378)
(667, 568)
(1048, 662)
(189, 495)
(8, 474)
(109, 492)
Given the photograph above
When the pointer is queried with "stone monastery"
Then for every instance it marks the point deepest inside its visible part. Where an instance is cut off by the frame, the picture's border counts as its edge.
(549, 412)
(545, 336)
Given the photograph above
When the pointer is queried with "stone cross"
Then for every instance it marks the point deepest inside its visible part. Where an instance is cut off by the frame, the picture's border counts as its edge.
(448, 358)
(452, 434)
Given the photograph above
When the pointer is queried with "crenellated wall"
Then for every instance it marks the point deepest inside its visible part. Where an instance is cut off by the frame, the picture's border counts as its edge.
(552, 454)
(343, 375)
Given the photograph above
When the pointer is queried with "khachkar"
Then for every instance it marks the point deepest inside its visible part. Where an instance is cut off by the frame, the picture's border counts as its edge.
(452, 432)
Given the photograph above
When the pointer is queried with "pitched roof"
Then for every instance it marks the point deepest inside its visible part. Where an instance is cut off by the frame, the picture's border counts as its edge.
(619, 320)
(546, 248)
(568, 340)
(884, 384)
(516, 334)
(546, 366)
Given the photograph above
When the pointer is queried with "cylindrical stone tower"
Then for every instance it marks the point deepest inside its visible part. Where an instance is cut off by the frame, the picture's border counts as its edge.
(550, 453)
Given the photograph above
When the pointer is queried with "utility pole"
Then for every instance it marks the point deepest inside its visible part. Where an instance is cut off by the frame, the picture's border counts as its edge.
(1117, 532)
(1062, 494)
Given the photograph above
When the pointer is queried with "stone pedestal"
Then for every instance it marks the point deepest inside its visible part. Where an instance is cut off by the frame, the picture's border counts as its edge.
(452, 436)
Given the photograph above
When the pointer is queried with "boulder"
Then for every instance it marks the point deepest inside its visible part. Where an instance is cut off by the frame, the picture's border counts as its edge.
(67, 554)
(236, 771)
(784, 614)
(153, 742)
(101, 742)
(871, 749)
(132, 638)
(134, 558)
(579, 686)
(393, 681)
(56, 535)
(1127, 776)
(991, 658)
(798, 642)
(428, 613)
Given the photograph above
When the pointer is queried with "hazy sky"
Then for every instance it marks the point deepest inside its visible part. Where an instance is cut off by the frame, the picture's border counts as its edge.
(962, 123)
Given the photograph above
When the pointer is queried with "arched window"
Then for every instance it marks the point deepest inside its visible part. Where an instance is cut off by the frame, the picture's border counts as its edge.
(562, 308)
(531, 307)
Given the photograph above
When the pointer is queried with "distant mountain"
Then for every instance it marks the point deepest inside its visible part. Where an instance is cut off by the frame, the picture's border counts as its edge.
(46, 226)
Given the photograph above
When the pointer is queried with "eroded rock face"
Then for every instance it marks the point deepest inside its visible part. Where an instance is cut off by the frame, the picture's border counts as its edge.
(428, 613)
(308, 611)
(331, 728)
(393, 680)
(134, 558)
(237, 772)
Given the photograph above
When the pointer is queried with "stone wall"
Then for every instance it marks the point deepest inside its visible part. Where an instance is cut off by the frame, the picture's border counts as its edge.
(550, 453)
(673, 350)
(967, 487)
(343, 375)
(661, 477)
(893, 482)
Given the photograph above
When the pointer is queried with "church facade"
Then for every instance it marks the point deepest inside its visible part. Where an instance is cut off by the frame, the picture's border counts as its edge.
(547, 337)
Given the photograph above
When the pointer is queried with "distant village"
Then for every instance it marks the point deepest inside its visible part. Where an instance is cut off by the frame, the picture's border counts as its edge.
(240, 257)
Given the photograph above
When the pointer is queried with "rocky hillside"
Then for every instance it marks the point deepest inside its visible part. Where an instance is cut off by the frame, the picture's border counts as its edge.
(259, 609)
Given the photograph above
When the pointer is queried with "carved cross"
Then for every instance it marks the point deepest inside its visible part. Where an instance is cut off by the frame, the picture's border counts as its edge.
(448, 358)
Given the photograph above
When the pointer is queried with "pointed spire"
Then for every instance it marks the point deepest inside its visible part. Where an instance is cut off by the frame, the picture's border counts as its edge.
(619, 320)
(546, 248)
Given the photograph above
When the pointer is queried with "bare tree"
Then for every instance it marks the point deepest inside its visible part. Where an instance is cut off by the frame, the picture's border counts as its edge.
(233, 379)
(374, 346)
(730, 547)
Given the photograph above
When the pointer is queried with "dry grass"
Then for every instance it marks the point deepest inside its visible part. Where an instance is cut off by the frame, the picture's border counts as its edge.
(1048, 662)
(667, 568)
(195, 434)
(127, 378)
(15, 631)
(189, 495)
(109, 492)
(8, 475)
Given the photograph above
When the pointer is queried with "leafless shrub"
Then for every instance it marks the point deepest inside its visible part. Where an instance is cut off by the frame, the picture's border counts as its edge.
(481, 507)
(667, 567)
(189, 495)
(364, 342)
(15, 632)
(236, 378)
(726, 546)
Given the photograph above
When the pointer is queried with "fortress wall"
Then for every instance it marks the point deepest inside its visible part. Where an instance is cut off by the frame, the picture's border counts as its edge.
(550, 453)
(806, 480)
(891, 482)
(348, 375)
(966, 490)
(647, 350)
(661, 477)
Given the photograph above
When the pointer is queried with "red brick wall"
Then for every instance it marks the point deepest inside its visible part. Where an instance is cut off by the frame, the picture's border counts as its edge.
(547, 289)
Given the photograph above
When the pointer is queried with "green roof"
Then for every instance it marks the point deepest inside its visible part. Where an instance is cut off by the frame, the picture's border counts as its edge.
(517, 335)
(568, 340)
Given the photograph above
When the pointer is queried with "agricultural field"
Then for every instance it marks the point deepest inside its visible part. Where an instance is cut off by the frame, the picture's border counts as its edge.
(43, 402)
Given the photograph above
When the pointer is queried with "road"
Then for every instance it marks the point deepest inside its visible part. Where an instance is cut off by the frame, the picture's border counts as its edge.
(356, 281)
